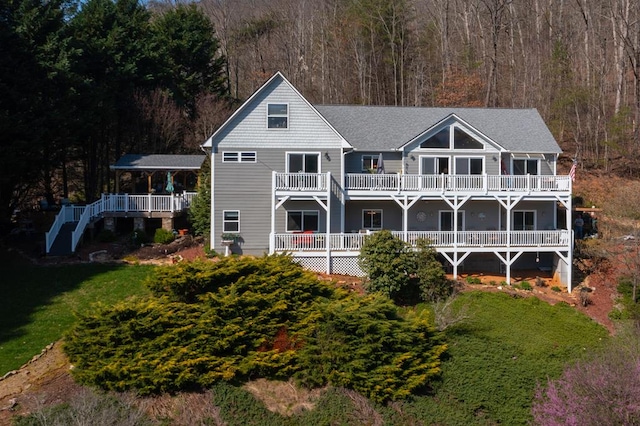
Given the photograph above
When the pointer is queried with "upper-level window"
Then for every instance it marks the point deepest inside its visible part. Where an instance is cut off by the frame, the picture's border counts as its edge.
(239, 157)
(434, 165)
(468, 166)
(306, 162)
(462, 140)
(369, 163)
(439, 140)
(525, 166)
(452, 137)
(278, 116)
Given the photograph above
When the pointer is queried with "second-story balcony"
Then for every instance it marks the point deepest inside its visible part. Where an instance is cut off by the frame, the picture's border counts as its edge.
(362, 183)
(473, 184)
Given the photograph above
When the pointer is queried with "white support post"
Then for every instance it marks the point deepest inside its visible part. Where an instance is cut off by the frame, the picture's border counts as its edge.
(328, 225)
(272, 235)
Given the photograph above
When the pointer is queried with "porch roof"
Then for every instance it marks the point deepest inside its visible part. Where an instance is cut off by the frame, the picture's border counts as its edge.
(158, 162)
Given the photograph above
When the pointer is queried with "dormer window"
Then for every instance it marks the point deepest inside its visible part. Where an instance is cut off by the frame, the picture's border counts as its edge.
(277, 116)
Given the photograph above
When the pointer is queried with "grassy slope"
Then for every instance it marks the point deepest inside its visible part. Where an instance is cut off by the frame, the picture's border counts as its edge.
(492, 367)
(38, 303)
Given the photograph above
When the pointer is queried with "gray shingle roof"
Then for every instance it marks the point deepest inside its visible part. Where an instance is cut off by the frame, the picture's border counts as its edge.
(159, 162)
(384, 128)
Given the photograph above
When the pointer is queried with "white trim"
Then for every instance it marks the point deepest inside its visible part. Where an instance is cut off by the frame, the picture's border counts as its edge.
(225, 221)
(288, 153)
(469, 157)
(421, 157)
(286, 220)
(209, 142)
(453, 120)
(381, 211)
(239, 157)
(525, 159)
(463, 215)
(535, 219)
(286, 104)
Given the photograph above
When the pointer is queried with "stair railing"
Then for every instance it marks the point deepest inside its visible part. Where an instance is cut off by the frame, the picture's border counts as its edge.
(89, 212)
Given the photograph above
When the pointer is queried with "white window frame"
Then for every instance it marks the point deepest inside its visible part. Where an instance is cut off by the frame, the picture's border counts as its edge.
(461, 220)
(303, 212)
(378, 211)
(524, 212)
(372, 160)
(289, 153)
(452, 145)
(526, 163)
(226, 221)
(470, 133)
(468, 158)
(278, 116)
(434, 158)
(239, 157)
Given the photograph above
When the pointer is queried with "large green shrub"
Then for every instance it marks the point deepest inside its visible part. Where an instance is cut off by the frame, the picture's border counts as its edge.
(362, 343)
(432, 280)
(401, 273)
(245, 318)
(388, 262)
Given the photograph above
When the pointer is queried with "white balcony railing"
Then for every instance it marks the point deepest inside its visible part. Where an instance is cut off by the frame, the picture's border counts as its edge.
(301, 182)
(456, 183)
(288, 242)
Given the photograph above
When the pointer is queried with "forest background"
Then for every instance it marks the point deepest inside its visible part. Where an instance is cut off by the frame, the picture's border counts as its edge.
(82, 83)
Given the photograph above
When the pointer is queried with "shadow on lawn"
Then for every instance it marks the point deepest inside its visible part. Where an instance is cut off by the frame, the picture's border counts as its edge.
(32, 293)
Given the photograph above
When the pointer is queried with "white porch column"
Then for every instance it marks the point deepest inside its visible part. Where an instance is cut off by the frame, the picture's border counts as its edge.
(327, 241)
(272, 236)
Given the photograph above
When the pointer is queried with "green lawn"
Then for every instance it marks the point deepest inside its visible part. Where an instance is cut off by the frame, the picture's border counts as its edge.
(38, 303)
(494, 361)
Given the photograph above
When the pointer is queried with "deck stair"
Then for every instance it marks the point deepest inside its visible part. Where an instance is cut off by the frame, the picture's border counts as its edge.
(71, 222)
(62, 243)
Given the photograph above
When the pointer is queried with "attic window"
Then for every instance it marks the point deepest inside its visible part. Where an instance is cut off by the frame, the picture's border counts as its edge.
(278, 116)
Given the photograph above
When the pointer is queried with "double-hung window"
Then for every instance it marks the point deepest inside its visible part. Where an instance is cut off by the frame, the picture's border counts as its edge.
(231, 221)
(277, 116)
(303, 220)
(372, 219)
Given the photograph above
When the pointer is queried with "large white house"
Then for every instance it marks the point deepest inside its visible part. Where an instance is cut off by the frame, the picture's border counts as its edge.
(315, 180)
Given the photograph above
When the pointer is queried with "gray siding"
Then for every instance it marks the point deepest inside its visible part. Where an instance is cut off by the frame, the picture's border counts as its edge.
(248, 187)
(307, 129)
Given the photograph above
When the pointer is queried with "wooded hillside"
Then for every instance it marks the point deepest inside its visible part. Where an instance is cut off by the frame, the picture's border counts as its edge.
(82, 83)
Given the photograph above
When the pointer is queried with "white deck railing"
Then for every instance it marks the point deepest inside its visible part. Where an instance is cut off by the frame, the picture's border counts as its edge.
(116, 203)
(456, 183)
(288, 242)
(301, 181)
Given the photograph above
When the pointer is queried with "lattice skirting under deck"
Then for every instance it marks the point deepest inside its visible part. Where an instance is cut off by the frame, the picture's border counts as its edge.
(339, 265)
